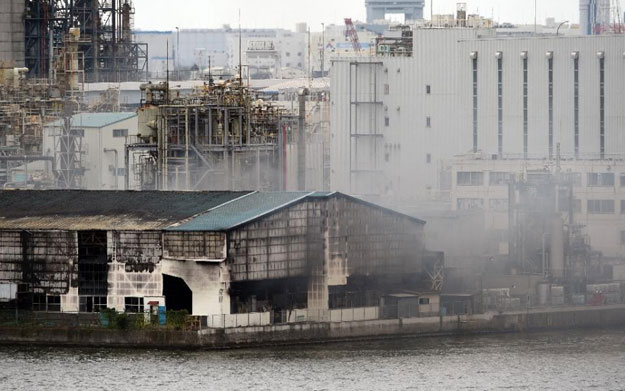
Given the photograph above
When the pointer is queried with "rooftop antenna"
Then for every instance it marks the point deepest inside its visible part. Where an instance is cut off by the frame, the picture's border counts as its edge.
(210, 75)
(535, 16)
(310, 75)
(240, 51)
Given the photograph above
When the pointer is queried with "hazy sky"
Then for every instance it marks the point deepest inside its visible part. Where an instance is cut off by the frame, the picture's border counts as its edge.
(167, 14)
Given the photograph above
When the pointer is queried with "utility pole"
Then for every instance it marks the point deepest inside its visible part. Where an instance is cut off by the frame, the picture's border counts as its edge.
(431, 13)
(323, 48)
(178, 52)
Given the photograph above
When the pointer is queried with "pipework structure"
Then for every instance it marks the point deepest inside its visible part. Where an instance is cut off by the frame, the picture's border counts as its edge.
(26, 105)
(110, 54)
(217, 138)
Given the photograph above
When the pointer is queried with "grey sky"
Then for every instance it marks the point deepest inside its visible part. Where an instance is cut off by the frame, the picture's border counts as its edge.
(167, 14)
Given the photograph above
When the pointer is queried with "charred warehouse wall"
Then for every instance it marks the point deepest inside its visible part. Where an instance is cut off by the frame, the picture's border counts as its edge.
(195, 245)
(274, 261)
(371, 252)
(44, 261)
(324, 245)
(102, 266)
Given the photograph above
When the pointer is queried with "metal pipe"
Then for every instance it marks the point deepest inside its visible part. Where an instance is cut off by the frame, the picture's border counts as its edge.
(301, 140)
(106, 150)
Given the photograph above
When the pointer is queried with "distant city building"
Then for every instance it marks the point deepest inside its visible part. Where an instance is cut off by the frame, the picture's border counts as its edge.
(379, 9)
(265, 51)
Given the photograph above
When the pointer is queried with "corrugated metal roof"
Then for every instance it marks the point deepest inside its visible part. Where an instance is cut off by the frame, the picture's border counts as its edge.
(240, 211)
(104, 210)
(97, 120)
(146, 210)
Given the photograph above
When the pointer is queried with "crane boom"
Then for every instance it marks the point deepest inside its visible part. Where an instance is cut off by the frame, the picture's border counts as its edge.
(352, 34)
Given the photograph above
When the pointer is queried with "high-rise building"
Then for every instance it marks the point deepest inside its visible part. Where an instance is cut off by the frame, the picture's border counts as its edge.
(594, 16)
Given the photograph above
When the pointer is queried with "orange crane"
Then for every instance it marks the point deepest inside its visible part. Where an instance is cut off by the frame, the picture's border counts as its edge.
(352, 34)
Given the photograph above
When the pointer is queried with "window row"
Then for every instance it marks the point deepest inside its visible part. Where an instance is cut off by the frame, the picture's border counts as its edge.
(501, 205)
(594, 179)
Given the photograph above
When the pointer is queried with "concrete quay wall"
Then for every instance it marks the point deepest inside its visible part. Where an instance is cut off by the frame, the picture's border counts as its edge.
(547, 319)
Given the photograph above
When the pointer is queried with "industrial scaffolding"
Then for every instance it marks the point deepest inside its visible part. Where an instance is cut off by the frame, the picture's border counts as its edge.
(217, 138)
(110, 54)
(26, 106)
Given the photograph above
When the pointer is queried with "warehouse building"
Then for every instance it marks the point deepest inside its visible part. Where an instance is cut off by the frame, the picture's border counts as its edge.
(211, 253)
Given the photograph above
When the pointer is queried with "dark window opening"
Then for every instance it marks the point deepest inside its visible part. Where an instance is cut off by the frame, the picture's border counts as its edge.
(475, 102)
(120, 132)
(602, 107)
(605, 179)
(92, 263)
(550, 108)
(92, 303)
(525, 110)
(424, 300)
(428, 89)
(470, 178)
(500, 106)
(576, 105)
(600, 206)
(133, 304)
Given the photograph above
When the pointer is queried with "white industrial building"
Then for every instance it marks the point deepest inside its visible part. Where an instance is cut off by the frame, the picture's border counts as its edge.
(99, 154)
(399, 121)
(396, 121)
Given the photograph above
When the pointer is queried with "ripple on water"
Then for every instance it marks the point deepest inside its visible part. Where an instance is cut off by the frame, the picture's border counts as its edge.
(544, 361)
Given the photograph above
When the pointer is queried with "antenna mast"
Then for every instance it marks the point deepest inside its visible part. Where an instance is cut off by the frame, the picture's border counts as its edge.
(240, 51)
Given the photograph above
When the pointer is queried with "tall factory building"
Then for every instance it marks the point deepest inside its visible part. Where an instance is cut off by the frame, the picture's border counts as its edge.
(400, 117)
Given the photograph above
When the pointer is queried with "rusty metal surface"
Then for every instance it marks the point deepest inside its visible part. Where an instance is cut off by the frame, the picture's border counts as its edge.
(103, 210)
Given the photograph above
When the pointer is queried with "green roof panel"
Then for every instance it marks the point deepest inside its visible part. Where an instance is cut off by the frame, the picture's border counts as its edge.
(240, 211)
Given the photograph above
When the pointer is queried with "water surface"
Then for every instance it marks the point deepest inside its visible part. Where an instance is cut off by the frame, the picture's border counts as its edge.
(573, 360)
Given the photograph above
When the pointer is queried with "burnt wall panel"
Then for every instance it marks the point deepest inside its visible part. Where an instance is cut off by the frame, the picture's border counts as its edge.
(286, 244)
(46, 261)
(140, 251)
(195, 245)
(365, 240)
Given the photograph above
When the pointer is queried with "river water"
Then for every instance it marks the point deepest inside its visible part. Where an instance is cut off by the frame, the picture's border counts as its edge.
(572, 360)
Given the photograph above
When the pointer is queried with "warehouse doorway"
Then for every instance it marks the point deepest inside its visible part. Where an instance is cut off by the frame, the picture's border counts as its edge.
(178, 295)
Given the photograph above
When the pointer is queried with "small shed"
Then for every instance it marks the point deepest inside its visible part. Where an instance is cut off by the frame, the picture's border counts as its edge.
(409, 305)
